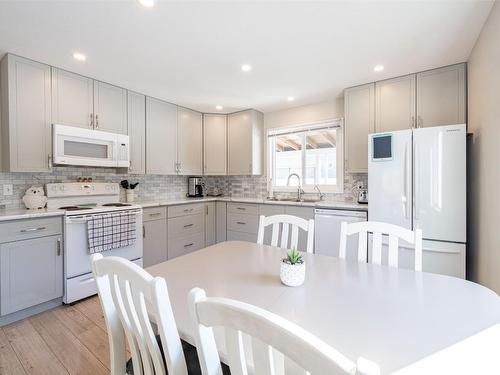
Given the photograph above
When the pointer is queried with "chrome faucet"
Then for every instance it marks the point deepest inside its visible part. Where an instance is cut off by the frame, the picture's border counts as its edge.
(321, 195)
(299, 189)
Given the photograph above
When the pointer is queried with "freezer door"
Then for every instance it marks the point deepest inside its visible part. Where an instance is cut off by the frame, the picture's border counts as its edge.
(327, 232)
(389, 178)
(439, 158)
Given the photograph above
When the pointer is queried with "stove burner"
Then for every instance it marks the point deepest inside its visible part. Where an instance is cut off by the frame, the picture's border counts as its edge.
(74, 208)
(116, 205)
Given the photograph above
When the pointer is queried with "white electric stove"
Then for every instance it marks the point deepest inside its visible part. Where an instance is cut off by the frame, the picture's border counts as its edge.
(81, 201)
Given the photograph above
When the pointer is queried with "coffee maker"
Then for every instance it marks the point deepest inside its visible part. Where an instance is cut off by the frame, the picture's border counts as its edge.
(195, 187)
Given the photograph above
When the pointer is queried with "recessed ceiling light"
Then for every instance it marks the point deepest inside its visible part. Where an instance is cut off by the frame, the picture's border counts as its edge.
(246, 67)
(147, 3)
(219, 107)
(79, 56)
(378, 68)
(291, 98)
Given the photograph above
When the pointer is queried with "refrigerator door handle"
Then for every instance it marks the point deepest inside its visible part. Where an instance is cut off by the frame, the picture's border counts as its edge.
(406, 183)
(416, 173)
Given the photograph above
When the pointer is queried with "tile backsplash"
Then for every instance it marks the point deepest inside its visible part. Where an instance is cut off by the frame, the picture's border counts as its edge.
(151, 187)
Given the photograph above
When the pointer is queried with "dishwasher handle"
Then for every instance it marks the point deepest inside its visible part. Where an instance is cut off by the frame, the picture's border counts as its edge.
(361, 214)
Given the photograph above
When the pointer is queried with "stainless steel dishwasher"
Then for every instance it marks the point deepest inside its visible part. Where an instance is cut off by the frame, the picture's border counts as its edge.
(327, 231)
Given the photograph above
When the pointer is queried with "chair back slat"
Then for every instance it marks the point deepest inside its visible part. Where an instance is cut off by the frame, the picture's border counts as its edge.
(262, 358)
(282, 234)
(378, 230)
(130, 297)
(235, 352)
(273, 339)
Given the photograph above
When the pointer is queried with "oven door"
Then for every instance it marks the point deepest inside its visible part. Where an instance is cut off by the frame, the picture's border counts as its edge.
(77, 257)
(77, 146)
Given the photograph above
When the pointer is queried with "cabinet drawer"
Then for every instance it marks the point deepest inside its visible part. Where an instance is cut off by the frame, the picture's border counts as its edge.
(30, 228)
(186, 225)
(154, 213)
(186, 209)
(185, 245)
(242, 223)
(240, 236)
(241, 208)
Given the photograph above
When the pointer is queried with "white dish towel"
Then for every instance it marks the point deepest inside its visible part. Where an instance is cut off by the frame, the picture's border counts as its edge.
(111, 231)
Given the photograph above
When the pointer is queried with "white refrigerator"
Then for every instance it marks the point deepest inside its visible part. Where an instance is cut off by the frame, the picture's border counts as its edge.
(417, 179)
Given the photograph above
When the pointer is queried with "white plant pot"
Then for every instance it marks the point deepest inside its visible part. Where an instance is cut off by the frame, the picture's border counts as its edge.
(293, 274)
(130, 196)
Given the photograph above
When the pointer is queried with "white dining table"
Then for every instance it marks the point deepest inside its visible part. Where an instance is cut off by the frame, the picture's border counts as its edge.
(407, 322)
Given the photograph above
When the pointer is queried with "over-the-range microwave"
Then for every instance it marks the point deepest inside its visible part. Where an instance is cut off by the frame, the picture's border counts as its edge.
(78, 146)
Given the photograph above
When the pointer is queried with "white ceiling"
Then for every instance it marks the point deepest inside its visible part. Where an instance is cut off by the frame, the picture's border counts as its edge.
(190, 52)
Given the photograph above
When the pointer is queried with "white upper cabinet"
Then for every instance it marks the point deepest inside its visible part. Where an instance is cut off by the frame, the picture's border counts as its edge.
(189, 142)
(72, 99)
(26, 115)
(215, 144)
(245, 132)
(359, 114)
(110, 108)
(137, 132)
(161, 137)
(441, 96)
(395, 104)
(86, 103)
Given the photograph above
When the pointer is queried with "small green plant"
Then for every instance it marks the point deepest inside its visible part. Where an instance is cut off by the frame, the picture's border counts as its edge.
(294, 257)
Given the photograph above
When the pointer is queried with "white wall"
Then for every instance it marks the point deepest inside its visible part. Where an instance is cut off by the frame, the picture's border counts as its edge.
(484, 122)
(305, 114)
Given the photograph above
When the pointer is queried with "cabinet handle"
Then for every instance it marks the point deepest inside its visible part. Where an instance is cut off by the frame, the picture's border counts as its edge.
(49, 161)
(96, 121)
(188, 210)
(32, 229)
(420, 122)
(91, 121)
(412, 122)
(241, 223)
(241, 208)
(155, 214)
(58, 247)
(189, 244)
(188, 225)
(143, 231)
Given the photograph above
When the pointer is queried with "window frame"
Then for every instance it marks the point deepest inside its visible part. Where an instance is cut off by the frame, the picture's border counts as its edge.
(333, 123)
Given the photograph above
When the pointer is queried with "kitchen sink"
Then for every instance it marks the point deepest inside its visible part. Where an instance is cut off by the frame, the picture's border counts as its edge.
(303, 200)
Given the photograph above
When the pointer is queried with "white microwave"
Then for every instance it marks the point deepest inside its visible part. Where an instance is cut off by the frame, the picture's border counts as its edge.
(86, 147)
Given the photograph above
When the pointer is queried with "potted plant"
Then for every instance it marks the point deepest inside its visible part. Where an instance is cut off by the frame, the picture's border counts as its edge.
(293, 269)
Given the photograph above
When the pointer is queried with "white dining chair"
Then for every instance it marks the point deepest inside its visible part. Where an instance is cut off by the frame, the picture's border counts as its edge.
(129, 298)
(277, 345)
(281, 231)
(378, 229)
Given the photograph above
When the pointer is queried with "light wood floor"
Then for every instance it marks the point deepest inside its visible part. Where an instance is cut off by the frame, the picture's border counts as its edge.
(65, 340)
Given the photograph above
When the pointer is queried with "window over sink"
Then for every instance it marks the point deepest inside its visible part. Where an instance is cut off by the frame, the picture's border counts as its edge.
(314, 152)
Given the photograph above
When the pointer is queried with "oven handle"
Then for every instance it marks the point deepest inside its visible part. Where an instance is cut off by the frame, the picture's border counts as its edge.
(86, 218)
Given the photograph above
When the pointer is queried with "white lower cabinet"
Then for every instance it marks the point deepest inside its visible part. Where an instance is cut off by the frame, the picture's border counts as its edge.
(220, 221)
(31, 272)
(184, 245)
(242, 222)
(154, 235)
(210, 224)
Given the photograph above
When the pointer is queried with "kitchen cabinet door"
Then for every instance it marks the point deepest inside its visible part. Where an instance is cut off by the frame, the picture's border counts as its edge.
(137, 132)
(26, 117)
(161, 137)
(441, 96)
(110, 108)
(210, 224)
(214, 144)
(220, 222)
(154, 235)
(359, 105)
(270, 210)
(31, 272)
(72, 99)
(189, 142)
(395, 104)
(245, 131)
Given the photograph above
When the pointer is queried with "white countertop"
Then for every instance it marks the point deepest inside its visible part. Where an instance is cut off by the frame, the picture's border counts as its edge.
(338, 205)
(22, 213)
